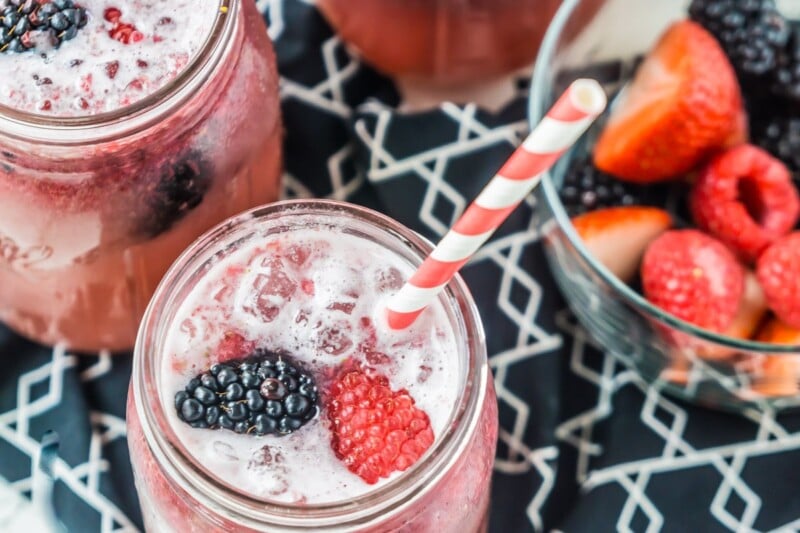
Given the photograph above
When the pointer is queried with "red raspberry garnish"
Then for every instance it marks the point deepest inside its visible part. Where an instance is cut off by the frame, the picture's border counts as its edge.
(121, 31)
(778, 271)
(112, 67)
(233, 346)
(376, 431)
(745, 198)
(694, 277)
(112, 14)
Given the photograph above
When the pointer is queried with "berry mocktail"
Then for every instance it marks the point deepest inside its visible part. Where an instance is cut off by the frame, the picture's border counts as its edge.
(270, 394)
(443, 41)
(126, 130)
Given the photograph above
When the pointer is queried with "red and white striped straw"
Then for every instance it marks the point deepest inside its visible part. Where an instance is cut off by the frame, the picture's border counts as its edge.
(568, 119)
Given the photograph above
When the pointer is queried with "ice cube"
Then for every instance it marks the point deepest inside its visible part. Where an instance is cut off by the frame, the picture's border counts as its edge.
(344, 307)
(335, 339)
(188, 327)
(424, 373)
(265, 290)
(297, 254)
(265, 459)
(224, 450)
(388, 280)
(377, 358)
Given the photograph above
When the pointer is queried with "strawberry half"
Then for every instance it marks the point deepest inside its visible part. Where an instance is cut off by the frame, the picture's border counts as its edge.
(376, 431)
(683, 104)
(694, 277)
(618, 236)
(752, 308)
(778, 375)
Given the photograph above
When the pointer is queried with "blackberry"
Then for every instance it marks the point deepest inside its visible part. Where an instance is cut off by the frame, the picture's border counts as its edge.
(780, 136)
(587, 188)
(786, 81)
(752, 33)
(23, 23)
(264, 393)
(180, 188)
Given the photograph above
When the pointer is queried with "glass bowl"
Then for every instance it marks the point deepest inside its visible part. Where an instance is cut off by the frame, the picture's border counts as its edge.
(686, 361)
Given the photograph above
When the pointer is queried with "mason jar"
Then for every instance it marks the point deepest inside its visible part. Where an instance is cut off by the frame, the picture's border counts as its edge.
(446, 490)
(444, 42)
(93, 209)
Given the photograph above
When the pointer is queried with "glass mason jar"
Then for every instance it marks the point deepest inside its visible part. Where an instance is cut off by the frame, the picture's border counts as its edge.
(447, 490)
(94, 209)
(447, 42)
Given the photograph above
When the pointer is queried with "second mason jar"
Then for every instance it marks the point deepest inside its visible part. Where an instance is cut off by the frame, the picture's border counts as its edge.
(443, 42)
(94, 206)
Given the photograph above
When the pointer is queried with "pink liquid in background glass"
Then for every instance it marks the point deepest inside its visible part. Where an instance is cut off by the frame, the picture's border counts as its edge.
(315, 295)
(87, 229)
(443, 41)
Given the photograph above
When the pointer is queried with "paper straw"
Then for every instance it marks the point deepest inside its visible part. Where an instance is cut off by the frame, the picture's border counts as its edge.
(568, 119)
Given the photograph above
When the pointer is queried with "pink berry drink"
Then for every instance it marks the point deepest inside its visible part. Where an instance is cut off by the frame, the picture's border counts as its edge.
(395, 430)
(127, 129)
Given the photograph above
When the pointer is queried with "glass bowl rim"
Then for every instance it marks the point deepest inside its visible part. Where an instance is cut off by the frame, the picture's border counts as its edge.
(537, 110)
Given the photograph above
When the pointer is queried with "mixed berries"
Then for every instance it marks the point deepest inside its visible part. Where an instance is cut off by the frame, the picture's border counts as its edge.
(586, 188)
(374, 430)
(28, 24)
(712, 111)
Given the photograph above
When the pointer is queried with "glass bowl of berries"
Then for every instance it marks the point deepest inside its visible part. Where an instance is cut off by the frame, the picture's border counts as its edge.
(672, 227)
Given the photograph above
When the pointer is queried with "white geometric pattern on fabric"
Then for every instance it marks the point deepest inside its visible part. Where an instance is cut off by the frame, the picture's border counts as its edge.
(429, 165)
(677, 453)
(83, 479)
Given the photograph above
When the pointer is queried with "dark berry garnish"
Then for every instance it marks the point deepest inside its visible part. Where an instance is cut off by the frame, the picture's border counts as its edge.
(586, 188)
(57, 21)
(786, 82)
(234, 396)
(752, 33)
(181, 187)
(780, 136)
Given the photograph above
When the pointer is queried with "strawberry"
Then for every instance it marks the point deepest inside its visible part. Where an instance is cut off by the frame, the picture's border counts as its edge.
(694, 277)
(746, 199)
(683, 104)
(739, 132)
(778, 271)
(618, 236)
(778, 375)
(376, 431)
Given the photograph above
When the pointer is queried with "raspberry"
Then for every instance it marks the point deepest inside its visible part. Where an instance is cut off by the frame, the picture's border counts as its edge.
(376, 431)
(233, 346)
(778, 271)
(694, 277)
(121, 31)
(745, 198)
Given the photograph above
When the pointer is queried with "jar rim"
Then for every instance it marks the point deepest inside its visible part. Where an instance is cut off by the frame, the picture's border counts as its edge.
(374, 505)
(139, 114)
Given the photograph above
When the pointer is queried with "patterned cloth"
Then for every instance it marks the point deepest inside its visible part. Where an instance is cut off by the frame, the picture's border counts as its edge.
(585, 444)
